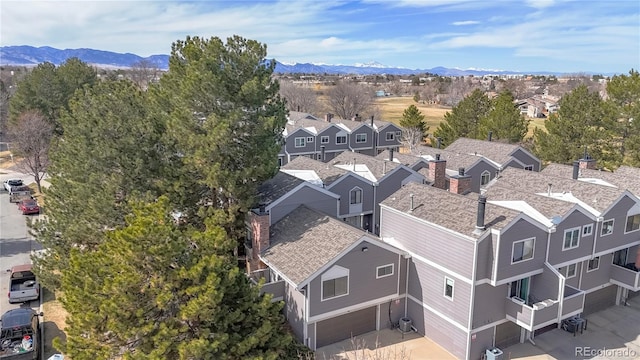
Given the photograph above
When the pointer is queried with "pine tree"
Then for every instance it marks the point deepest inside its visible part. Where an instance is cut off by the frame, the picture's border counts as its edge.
(624, 97)
(414, 127)
(504, 120)
(464, 119)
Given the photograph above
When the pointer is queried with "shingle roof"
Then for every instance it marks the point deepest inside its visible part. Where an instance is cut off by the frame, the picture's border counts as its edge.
(401, 158)
(455, 160)
(325, 171)
(621, 180)
(596, 196)
(305, 240)
(629, 171)
(549, 207)
(496, 151)
(377, 167)
(275, 187)
(452, 211)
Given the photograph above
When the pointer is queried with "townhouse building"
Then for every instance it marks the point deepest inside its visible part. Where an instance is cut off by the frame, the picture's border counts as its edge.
(502, 154)
(323, 139)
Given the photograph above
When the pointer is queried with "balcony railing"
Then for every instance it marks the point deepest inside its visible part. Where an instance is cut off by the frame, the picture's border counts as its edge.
(625, 277)
(271, 286)
(534, 316)
(573, 301)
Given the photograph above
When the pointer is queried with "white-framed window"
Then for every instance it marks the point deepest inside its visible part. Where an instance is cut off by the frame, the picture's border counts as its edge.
(335, 283)
(324, 139)
(384, 271)
(300, 142)
(341, 139)
(361, 138)
(607, 227)
(528, 167)
(398, 134)
(448, 288)
(587, 230)
(485, 177)
(309, 139)
(390, 136)
(522, 250)
(571, 238)
(355, 196)
(633, 223)
(280, 160)
(571, 271)
(594, 264)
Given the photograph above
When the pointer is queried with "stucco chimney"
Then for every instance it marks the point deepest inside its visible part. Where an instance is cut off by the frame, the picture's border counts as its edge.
(461, 183)
(438, 172)
(576, 170)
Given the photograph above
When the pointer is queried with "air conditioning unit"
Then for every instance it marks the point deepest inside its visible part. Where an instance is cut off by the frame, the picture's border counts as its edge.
(493, 354)
(405, 324)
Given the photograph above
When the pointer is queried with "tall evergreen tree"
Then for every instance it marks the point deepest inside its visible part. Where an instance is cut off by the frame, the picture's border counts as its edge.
(464, 119)
(583, 122)
(624, 95)
(504, 120)
(414, 127)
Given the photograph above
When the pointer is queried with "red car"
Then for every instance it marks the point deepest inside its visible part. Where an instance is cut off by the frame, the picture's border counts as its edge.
(29, 206)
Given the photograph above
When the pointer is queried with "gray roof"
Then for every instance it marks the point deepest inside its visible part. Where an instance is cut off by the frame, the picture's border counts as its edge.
(302, 122)
(305, 240)
(455, 160)
(621, 180)
(402, 158)
(276, 187)
(298, 120)
(377, 167)
(493, 150)
(325, 171)
(596, 196)
(549, 207)
(452, 211)
(629, 171)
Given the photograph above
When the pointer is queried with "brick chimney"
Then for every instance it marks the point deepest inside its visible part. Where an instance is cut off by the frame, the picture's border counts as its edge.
(437, 172)
(259, 226)
(587, 162)
(461, 183)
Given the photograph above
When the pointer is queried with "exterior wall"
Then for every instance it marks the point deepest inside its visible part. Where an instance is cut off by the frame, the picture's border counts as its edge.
(427, 241)
(363, 285)
(585, 243)
(618, 238)
(484, 258)
(388, 186)
(382, 136)
(294, 310)
(311, 335)
(482, 341)
(489, 304)
(526, 159)
(391, 312)
(290, 143)
(308, 196)
(365, 129)
(476, 174)
(438, 329)
(545, 286)
(573, 281)
(332, 145)
(427, 284)
(596, 278)
(343, 189)
(520, 231)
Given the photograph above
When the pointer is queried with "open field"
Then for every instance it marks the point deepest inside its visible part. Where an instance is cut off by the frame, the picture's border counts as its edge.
(392, 108)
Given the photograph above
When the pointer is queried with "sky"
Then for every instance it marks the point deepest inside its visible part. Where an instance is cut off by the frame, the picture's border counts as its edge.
(601, 37)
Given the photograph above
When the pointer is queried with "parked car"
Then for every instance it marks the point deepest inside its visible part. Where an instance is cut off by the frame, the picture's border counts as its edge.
(8, 184)
(23, 285)
(20, 335)
(29, 206)
(19, 193)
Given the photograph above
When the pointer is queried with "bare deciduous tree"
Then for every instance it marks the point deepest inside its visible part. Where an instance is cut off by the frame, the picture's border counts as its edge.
(31, 138)
(348, 99)
(144, 72)
(411, 138)
(299, 98)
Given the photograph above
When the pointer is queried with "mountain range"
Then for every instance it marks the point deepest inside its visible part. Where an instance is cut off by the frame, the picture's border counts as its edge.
(30, 56)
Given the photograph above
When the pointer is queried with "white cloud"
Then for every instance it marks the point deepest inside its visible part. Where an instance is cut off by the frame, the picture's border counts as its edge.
(464, 23)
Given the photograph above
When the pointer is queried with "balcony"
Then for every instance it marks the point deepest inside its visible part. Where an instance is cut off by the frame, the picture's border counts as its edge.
(572, 302)
(533, 316)
(272, 284)
(625, 276)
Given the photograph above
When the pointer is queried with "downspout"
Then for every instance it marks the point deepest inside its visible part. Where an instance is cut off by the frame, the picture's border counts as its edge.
(376, 222)
(406, 289)
(473, 298)
(599, 220)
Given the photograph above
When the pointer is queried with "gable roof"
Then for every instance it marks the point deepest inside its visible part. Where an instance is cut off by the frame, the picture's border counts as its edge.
(274, 188)
(495, 151)
(454, 160)
(324, 171)
(437, 206)
(366, 166)
(620, 180)
(305, 240)
(628, 171)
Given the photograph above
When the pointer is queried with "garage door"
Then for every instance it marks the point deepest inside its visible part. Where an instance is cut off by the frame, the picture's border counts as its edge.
(600, 299)
(345, 326)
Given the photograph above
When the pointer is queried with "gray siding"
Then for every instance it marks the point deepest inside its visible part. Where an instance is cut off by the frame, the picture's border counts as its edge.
(483, 340)
(520, 231)
(363, 285)
(389, 185)
(485, 258)
(311, 335)
(427, 283)
(343, 189)
(364, 145)
(310, 197)
(391, 312)
(476, 174)
(544, 286)
(332, 146)
(597, 278)
(618, 237)
(489, 303)
(574, 281)
(294, 310)
(290, 143)
(585, 243)
(427, 241)
(526, 159)
(438, 329)
(382, 136)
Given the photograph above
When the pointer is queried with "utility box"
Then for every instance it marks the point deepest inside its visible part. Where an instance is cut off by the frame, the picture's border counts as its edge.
(405, 324)
(494, 354)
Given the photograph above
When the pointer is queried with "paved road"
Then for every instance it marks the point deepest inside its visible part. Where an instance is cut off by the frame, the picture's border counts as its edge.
(15, 242)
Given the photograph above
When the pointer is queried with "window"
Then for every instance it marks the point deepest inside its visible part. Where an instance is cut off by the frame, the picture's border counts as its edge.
(355, 196)
(335, 282)
(522, 250)
(587, 230)
(280, 161)
(310, 139)
(607, 227)
(341, 139)
(300, 142)
(633, 223)
(384, 271)
(594, 264)
(448, 288)
(324, 140)
(529, 167)
(398, 134)
(485, 178)
(390, 136)
(360, 138)
(571, 238)
(620, 257)
(571, 271)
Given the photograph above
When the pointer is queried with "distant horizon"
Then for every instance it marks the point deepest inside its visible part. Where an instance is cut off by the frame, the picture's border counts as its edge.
(555, 36)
